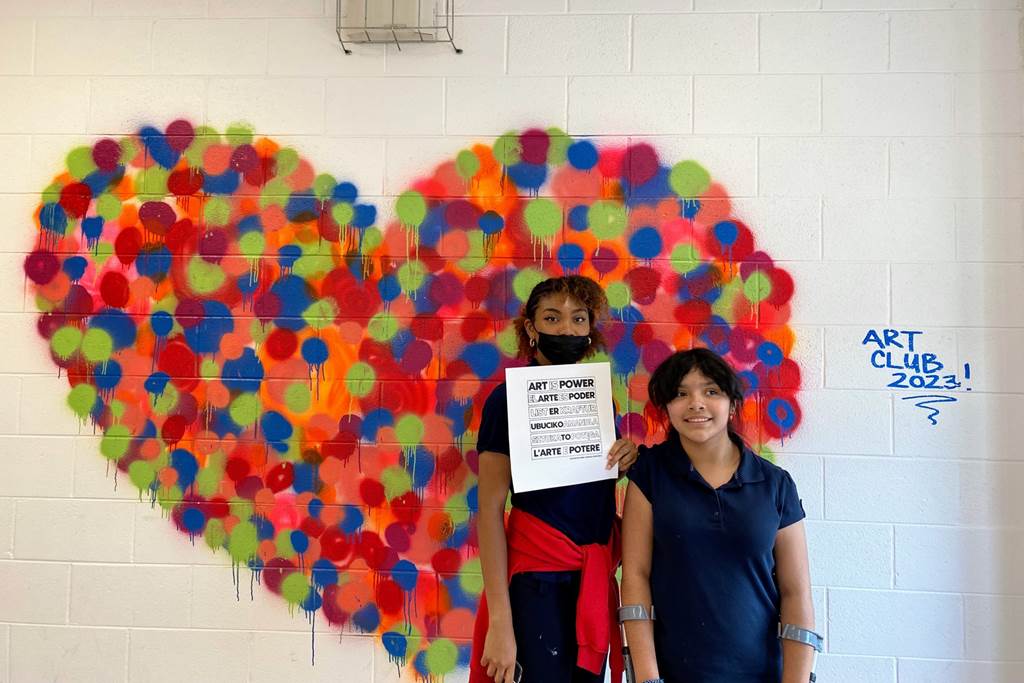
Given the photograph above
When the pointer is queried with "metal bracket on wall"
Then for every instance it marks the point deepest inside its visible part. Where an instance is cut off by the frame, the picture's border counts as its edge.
(439, 29)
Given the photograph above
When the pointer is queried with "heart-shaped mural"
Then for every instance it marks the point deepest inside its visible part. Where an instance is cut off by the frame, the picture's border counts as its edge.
(301, 387)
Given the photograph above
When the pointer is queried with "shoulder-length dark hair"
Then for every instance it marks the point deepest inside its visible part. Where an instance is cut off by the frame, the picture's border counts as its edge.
(663, 386)
(579, 287)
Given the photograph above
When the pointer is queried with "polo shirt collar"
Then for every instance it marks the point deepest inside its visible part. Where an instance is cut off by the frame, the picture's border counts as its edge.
(749, 471)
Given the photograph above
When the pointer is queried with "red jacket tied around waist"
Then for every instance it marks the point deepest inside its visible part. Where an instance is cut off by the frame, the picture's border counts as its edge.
(534, 546)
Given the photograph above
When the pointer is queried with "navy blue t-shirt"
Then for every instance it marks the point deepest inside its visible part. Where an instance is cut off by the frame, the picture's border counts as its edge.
(583, 512)
(712, 568)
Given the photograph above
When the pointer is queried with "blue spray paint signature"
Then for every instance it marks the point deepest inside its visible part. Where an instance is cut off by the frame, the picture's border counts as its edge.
(925, 401)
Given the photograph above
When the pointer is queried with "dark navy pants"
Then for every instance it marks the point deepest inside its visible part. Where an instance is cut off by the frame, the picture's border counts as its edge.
(544, 620)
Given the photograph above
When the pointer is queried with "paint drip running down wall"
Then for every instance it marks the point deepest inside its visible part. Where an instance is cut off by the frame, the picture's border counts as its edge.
(300, 387)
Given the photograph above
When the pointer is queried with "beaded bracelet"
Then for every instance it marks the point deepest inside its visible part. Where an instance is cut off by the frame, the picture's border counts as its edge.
(655, 680)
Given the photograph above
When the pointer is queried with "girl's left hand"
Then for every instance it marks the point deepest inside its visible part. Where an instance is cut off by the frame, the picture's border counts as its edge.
(622, 453)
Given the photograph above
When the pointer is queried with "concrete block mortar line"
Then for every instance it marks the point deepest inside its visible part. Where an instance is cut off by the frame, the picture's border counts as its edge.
(629, 48)
(757, 43)
(892, 557)
(821, 104)
(888, 40)
(504, 50)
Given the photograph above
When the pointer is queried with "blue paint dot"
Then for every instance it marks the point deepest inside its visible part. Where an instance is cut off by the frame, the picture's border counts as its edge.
(52, 217)
(491, 222)
(482, 358)
(726, 233)
(690, 207)
(749, 382)
(288, 255)
(314, 351)
(300, 541)
(250, 224)
(106, 376)
(395, 644)
(324, 573)
(193, 520)
(367, 618)
(159, 149)
(365, 215)
(264, 528)
(225, 183)
(248, 283)
(118, 324)
(92, 227)
(156, 383)
(74, 267)
(244, 373)
(578, 217)
(304, 477)
(315, 507)
(275, 426)
(472, 499)
(645, 243)
(186, 465)
(570, 257)
(781, 414)
(582, 155)
(373, 421)
(301, 208)
(153, 263)
(405, 574)
(769, 354)
(345, 192)
(420, 464)
(528, 176)
(352, 521)
(389, 287)
(162, 323)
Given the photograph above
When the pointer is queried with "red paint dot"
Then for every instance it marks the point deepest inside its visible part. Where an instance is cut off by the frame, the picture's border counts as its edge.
(333, 545)
(389, 597)
(173, 429)
(114, 289)
(281, 344)
(534, 145)
(75, 198)
(640, 164)
(280, 477)
(406, 507)
(341, 446)
(427, 329)
(41, 267)
(372, 492)
(312, 527)
(237, 469)
(643, 284)
(106, 154)
(180, 135)
(446, 561)
(178, 361)
(127, 245)
(477, 289)
(185, 182)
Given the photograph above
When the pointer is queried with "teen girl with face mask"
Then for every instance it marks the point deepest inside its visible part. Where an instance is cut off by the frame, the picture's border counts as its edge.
(547, 611)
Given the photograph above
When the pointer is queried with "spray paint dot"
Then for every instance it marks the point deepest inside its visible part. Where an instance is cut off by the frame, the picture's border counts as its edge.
(543, 217)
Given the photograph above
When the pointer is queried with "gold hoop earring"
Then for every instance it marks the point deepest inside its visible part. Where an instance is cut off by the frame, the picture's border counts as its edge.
(533, 342)
(589, 342)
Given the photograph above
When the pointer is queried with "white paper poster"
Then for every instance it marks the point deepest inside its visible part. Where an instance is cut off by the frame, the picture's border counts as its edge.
(560, 424)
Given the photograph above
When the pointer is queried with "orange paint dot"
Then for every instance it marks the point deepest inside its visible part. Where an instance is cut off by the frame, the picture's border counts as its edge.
(217, 159)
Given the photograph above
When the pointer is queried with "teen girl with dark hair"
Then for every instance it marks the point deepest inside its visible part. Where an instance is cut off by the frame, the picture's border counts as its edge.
(547, 613)
(713, 539)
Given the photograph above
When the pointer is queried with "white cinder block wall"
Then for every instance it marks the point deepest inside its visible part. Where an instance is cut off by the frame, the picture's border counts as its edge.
(873, 145)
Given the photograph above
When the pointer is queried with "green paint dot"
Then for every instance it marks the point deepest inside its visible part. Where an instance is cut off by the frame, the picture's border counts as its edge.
(115, 441)
(241, 508)
(467, 163)
(283, 543)
(209, 369)
(457, 509)
(316, 260)
(51, 193)
(108, 206)
(142, 474)
(321, 313)
(688, 179)
(607, 219)
(82, 399)
(470, 578)
(245, 409)
(209, 477)
(80, 163)
(154, 183)
(757, 287)
(275, 192)
(214, 534)
(382, 326)
(411, 275)
(409, 430)
(243, 542)
(411, 208)
(323, 186)
(372, 238)
(684, 258)
(252, 244)
(66, 341)
(239, 133)
(129, 149)
(360, 379)
(506, 149)
(217, 211)
(165, 402)
(297, 397)
(204, 277)
(97, 345)
(102, 252)
(259, 331)
(442, 656)
(117, 408)
(342, 213)
(287, 161)
(295, 588)
(476, 255)
(558, 148)
(508, 342)
(396, 481)
(524, 282)
(543, 217)
(619, 295)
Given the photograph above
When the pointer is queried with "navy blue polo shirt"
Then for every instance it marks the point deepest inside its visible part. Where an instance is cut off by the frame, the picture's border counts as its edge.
(583, 512)
(713, 568)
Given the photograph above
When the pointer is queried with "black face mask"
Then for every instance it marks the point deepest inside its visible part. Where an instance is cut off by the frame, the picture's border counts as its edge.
(563, 349)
